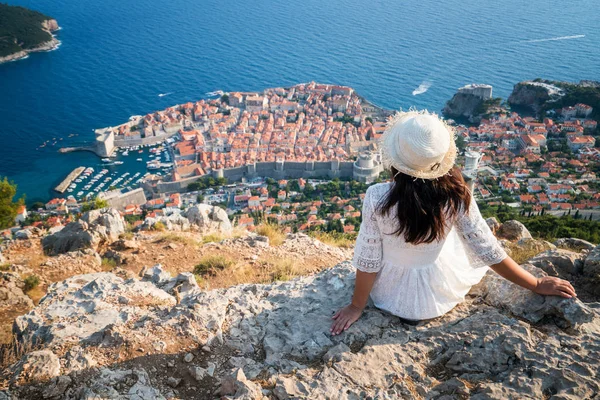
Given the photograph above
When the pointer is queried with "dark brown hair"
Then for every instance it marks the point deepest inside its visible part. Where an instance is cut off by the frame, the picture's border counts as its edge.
(424, 207)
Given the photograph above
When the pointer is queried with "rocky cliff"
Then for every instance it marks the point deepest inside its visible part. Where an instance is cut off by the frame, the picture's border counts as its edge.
(99, 336)
(470, 107)
(533, 95)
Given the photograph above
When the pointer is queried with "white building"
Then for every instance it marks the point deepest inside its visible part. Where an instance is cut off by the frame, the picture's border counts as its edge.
(477, 89)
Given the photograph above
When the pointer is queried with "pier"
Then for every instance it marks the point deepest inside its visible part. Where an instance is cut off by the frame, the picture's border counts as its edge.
(64, 185)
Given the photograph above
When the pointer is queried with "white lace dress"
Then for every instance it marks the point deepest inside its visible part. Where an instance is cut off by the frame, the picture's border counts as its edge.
(426, 280)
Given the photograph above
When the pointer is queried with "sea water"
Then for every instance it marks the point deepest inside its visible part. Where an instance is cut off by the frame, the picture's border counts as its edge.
(117, 56)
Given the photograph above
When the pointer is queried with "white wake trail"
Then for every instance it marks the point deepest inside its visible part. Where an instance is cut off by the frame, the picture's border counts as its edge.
(553, 39)
(423, 87)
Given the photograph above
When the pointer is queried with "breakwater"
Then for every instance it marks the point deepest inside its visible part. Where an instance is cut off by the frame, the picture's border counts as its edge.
(64, 185)
(91, 149)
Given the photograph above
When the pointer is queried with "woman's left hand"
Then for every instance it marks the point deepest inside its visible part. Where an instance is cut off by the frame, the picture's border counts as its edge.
(344, 318)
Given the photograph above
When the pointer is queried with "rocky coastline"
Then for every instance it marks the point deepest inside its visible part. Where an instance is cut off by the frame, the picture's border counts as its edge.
(50, 26)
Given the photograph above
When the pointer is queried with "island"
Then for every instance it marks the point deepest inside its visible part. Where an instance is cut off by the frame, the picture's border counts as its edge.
(23, 31)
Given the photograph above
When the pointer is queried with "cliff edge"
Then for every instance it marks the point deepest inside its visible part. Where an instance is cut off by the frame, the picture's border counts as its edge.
(100, 336)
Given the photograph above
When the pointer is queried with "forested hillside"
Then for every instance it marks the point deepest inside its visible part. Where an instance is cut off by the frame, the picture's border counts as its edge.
(21, 29)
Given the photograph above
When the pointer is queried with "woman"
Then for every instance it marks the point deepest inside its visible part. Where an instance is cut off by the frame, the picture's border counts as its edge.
(423, 242)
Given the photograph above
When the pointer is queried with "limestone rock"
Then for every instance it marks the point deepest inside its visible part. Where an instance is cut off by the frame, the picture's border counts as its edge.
(77, 359)
(2, 259)
(23, 234)
(11, 291)
(591, 266)
(93, 306)
(559, 262)
(493, 223)
(513, 230)
(209, 218)
(57, 387)
(568, 313)
(237, 385)
(95, 228)
(131, 384)
(173, 222)
(503, 342)
(126, 244)
(37, 366)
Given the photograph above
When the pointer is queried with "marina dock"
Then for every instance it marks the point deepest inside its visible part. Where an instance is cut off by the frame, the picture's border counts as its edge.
(64, 185)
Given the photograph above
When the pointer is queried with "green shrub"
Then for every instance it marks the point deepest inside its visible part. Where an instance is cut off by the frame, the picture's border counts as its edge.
(108, 264)
(31, 282)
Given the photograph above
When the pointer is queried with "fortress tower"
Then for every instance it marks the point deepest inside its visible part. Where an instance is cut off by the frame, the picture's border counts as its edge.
(218, 173)
(484, 92)
(472, 159)
(366, 167)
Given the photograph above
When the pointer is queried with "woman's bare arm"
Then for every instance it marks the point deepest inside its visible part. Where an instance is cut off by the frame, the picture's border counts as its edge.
(547, 285)
(349, 314)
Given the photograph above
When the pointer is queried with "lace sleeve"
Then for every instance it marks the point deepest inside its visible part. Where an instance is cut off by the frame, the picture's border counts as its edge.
(481, 246)
(368, 248)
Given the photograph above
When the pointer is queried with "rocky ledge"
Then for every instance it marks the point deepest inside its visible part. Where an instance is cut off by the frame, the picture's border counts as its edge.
(98, 336)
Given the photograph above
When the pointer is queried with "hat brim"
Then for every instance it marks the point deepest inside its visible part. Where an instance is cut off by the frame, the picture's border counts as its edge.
(390, 160)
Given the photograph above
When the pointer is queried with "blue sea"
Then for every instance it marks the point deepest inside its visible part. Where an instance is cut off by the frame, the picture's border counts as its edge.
(117, 56)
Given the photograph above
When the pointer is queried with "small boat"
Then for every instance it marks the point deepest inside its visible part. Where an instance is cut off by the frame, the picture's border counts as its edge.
(118, 162)
(126, 153)
(139, 159)
(106, 160)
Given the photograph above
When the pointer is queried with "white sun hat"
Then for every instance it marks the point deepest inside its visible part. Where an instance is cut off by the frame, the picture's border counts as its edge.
(419, 144)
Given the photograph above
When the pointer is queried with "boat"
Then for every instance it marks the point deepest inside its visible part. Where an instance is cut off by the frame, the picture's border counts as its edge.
(139, 159)
(126, 153)
(106, 160)
(118, 162)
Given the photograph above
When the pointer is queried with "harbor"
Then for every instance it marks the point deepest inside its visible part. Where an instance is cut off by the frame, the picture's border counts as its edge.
(64, 185)
(124, 171)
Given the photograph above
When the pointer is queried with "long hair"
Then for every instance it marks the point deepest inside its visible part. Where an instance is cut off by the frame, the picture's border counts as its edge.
(423, 207)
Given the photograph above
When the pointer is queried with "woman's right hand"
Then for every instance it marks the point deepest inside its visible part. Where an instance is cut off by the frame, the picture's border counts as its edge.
(344, 318)
(552, 286)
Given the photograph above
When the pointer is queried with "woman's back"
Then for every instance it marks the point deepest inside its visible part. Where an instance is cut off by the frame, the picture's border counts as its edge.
(420, 281)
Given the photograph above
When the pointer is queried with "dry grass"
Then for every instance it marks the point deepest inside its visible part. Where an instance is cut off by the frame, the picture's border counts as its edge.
(4, 267)
(13, 351)
(273, 232)
(521, 253)
(213, 237)
(36, 294)
(159, 226)
(179, 238)
(35, 259)
(128, 235)
(334, 239)
(282, 269)
(212, 264)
